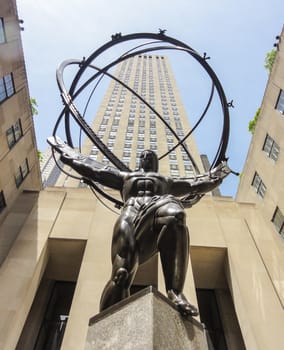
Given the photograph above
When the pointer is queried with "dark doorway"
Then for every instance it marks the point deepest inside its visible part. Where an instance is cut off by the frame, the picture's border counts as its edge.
(210, 316)
(47, 319)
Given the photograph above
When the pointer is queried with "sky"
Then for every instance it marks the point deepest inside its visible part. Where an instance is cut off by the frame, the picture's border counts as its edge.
(235, 34)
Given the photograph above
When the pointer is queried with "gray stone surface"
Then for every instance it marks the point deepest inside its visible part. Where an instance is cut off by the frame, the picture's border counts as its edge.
(147, 321)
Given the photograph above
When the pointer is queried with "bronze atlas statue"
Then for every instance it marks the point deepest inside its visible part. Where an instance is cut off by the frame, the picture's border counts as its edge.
(152, 218)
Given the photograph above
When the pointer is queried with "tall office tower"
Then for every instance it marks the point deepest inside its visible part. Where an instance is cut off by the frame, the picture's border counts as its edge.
(50, 172)
(262, 181)
(18, 153)
(127, 126)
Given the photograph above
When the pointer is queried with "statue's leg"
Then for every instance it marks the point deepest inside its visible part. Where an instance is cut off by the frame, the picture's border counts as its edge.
(173, 245)
(124, 264)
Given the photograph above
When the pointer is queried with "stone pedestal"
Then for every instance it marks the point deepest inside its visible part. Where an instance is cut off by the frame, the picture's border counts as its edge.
(145, 321)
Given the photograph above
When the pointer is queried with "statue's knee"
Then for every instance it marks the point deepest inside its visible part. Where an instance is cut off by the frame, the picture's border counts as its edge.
(179, 217)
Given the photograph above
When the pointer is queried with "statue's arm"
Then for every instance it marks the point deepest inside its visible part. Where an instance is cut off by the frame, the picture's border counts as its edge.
(87, 167)
(201, 185)
(106, 176)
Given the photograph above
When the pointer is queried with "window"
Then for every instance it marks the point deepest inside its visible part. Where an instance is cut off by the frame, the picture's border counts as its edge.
(105, 121)
(173, 166)
(271, 148)
(2, 31)
(188, 167)
(174, 173)
(258, 184)
(278, 221)
(280, 102)
(22, 173)
(2, 201)
(94, 151)
(105, 160)
(14, 133)
(6, 87)
(126, 154)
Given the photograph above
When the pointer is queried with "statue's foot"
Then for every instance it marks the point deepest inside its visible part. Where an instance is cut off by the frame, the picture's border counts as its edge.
(185, 308)
(121, 276)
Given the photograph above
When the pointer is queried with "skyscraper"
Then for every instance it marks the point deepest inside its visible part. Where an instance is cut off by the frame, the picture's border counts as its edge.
(50, 172)
(128, 126)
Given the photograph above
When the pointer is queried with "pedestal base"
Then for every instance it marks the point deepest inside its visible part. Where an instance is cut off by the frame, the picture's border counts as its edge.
(146, 320)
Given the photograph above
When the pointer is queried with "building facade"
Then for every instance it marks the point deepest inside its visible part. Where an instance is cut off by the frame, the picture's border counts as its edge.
(52, 276)
(18, 153)
(262, 180)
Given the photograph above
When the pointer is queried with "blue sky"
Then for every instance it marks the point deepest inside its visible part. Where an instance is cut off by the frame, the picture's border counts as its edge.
(235, 34)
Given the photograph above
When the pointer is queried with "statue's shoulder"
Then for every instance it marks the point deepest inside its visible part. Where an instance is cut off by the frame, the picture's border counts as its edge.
(132, 174)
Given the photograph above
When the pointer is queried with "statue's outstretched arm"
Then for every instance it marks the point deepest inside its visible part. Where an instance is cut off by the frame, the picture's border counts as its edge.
(87, 167)
(202, 184)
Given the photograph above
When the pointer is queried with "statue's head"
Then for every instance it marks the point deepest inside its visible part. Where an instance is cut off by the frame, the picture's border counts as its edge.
(149, 161)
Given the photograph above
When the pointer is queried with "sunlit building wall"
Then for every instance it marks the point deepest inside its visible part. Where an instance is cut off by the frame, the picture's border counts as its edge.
(262, 179)
(18, 152)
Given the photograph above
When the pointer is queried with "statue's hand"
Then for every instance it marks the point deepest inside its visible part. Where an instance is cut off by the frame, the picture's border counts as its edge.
(220, 172)
(67, 159)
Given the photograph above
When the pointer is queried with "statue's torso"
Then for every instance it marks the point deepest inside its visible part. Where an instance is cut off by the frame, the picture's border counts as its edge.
(144, 186)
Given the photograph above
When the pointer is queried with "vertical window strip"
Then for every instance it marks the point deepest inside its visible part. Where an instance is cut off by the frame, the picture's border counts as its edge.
(22, 172)
(271, 148)
(7, 87)
(2, 31)
(2, 201)
(280, 102)
(258, 185)
(278, 221)
(14, 133)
